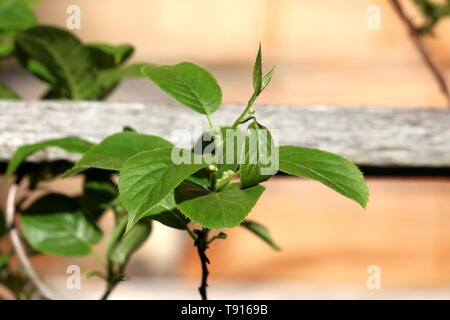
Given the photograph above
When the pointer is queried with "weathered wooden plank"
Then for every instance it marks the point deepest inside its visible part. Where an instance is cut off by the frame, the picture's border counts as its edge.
(367, 135)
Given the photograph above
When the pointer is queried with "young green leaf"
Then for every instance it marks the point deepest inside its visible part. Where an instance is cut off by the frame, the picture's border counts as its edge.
(75, 145)
(257, 73)
(147, 178)
(224, 209)
(15, 15)
(55, 224)
(114, 150)
(62, 55)
(187, 83)
(332, 170)
(7, 93)
(267, 78)
(258, 151)
(131, 241)
(260, 231)
(106, 56)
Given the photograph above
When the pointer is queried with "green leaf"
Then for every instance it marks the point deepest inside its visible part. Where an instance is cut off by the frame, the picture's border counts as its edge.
(118, 231)
(114, 150)
(173, 219)
(7, 93)
(109, 79)
(15, 15)
(6, 47)
(224, 209)
(332, 170)
(201, 177)
(166, 212)
(187, 83)
(260, 231)
(63, 55)
(75, 145)
(4, 258)
(257, 73)
(55, 224)
(258, 156)
(106, 56)
(188, 190)
(267, 78)
(131, 241)
(99, 193)
(148, 177)
(3, 228)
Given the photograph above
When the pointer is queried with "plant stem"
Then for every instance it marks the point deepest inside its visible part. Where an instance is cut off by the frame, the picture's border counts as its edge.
(213, 175)
(113, 278)
(18, 248)
(222, 182)
(202, 244)
(423, 50)
(246, 110)
(211, 122)
(108, 291)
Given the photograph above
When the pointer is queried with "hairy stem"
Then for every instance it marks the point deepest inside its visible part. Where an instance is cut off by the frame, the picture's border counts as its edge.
(45, 292)
(246, 110)
(423, 50)
(202, 244)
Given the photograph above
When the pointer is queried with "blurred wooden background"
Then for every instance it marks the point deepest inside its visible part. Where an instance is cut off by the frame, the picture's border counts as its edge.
(323, 50)
(324, 54)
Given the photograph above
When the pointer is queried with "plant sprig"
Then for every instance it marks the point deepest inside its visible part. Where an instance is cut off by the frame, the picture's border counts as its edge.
(159, 182)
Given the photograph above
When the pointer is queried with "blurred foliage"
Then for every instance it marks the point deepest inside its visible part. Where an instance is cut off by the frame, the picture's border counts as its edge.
(71, 69)
(433, 12)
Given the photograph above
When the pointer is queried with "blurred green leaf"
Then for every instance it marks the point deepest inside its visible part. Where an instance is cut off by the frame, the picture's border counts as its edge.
(7, 93)
(75, 145)
(4, 258)
(99, 193)
(131, 241)
(63, 56)
(260, 231)
(433, 12)
(106, 56)
(55, 224)
(15, 15)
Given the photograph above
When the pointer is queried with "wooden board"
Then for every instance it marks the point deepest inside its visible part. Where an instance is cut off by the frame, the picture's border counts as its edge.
(366, 135)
